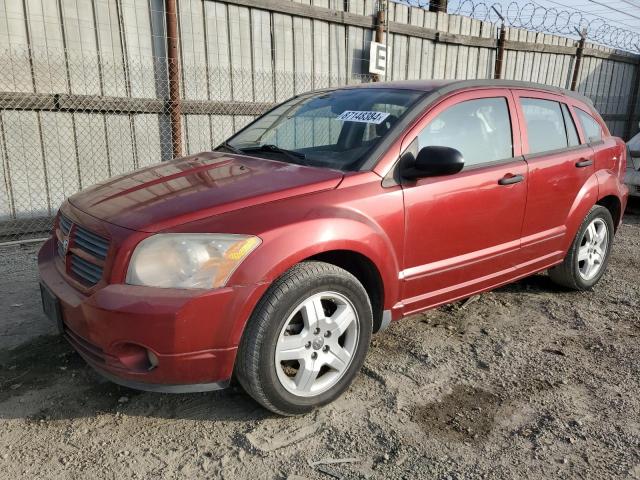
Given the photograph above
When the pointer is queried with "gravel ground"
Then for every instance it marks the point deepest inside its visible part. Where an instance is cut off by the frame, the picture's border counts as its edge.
(527, 381)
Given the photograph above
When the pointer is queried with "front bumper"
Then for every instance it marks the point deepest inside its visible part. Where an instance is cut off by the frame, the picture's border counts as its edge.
(632, 180)
(192, 334)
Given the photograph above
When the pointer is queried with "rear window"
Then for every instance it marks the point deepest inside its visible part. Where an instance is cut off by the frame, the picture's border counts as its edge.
(590, 126)
(545, 125)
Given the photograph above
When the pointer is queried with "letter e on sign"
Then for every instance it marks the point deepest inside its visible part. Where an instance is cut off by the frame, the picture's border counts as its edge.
(378, 58)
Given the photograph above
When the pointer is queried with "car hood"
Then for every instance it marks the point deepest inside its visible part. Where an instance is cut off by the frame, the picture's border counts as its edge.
(197, 187)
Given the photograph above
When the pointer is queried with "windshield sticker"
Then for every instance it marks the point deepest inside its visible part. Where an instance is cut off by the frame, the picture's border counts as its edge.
(363, 116)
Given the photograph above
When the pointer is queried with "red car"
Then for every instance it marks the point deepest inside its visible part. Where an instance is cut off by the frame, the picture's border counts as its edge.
(276, 256)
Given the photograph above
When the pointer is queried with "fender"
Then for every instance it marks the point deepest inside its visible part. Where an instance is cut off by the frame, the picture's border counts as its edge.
(586, 198)
(344, 234)
(358, 215)
(610, 184)
(353, 234)
(602, 183)
(312, 224)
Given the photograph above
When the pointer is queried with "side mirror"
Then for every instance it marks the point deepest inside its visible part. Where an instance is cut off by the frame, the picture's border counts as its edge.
(433, 161)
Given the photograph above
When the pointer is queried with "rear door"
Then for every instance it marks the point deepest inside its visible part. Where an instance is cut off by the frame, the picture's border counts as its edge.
(462, 231)
(560, 162)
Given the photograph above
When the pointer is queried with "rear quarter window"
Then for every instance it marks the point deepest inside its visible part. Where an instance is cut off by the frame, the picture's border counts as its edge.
(590, 126)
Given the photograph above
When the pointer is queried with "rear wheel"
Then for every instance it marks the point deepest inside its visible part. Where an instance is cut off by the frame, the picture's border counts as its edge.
(306, 340)
(588, 256)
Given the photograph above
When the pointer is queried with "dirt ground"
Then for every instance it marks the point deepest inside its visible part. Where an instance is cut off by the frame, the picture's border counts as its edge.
(528, 381)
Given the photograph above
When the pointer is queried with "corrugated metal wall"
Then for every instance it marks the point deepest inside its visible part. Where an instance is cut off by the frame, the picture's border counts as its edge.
(230, 52)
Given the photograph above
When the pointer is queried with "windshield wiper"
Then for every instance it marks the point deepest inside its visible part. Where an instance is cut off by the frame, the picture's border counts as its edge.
(226, 146)
(292, 154)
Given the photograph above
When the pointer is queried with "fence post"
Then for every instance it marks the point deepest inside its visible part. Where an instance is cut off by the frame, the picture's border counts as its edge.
(576, 65)
(438, 6)
(380, 19)
(497, 72)
(173, 66)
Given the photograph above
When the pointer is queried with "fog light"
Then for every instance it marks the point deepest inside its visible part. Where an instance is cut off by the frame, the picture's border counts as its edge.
(136, 357)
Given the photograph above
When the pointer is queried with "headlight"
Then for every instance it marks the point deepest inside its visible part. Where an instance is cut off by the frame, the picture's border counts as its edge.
(183, 260)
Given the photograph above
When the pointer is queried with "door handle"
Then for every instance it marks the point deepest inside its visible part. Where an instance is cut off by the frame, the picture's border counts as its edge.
(510, 179)
(584, 162)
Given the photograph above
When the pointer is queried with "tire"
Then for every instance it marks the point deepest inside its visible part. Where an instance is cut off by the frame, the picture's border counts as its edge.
(282, 326)
(573, 272)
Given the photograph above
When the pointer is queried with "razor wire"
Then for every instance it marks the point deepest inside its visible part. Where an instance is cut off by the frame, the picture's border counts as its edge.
(534, 17)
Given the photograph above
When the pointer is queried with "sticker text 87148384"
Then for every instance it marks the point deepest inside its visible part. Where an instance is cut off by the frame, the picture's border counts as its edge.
(363, 116)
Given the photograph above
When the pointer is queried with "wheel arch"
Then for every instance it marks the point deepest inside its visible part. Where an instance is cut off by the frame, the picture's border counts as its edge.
(586, 198)
(602, 188)
(611, 194)
(367, 273)
(613, 204)
(353, 245)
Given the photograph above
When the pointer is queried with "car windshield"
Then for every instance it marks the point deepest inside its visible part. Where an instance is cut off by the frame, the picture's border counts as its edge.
(333, 129)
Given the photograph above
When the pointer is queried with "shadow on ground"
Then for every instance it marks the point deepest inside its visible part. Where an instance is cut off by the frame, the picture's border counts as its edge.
(46, 379)
(47, 366)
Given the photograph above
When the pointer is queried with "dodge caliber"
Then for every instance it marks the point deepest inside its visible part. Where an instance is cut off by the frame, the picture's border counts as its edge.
(274, 258)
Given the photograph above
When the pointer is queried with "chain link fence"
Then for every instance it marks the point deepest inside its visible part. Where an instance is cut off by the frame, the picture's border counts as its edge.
(84, 84)
(55, 143)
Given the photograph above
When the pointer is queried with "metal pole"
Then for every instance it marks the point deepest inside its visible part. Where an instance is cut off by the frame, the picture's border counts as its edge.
(386, 39)
(497, 72)
(173, 66)
(576, 64)
(379, 29)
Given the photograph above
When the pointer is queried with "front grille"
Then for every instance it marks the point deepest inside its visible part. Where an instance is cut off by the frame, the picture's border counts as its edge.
(87, 272)
(65, 224)
(78, 237)
(90, 243)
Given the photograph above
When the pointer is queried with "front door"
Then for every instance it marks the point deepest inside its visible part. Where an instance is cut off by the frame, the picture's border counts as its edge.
(462, 232)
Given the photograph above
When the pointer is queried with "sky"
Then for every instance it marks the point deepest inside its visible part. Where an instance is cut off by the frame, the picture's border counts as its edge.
(624, 13)
(605, 15)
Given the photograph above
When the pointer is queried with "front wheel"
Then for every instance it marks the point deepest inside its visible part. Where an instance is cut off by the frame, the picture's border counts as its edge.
(588, 256)
(306, 339)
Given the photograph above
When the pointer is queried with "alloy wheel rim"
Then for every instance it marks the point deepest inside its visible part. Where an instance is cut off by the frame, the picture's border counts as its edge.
(593, 249)
(317, 344)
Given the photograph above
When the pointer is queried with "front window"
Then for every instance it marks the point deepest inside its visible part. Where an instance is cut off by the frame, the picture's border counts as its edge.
(333, 129)
(479, 129)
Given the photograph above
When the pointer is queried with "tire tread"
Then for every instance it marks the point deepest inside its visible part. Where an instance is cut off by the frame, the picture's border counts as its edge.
(564, 274)
(247, 369)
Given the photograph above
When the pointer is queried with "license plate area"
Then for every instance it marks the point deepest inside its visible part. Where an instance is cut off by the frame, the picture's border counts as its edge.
(51, 307)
